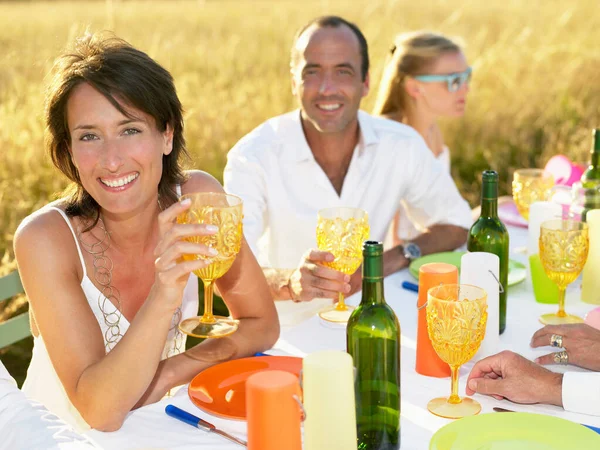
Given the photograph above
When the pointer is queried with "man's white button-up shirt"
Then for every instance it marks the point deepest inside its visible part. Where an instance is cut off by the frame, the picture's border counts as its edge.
(283, 187)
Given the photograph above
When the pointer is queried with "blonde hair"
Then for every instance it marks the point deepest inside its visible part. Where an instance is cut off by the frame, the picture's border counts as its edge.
(412, 54)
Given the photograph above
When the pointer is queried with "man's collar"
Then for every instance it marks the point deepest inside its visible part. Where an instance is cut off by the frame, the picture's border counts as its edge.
(368, 136)
(300, 150)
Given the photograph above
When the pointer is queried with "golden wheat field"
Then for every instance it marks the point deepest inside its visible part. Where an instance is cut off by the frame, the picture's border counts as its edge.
(535, 91)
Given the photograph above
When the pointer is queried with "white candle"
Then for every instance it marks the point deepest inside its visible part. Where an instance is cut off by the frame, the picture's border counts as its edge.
(590, 292)
(328, 384)
(482, 269)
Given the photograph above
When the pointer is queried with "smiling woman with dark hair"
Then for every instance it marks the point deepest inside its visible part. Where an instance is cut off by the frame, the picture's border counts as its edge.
(126, 77)
(102, 266)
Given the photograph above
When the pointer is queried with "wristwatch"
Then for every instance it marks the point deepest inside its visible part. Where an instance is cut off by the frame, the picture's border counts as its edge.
(411, 251)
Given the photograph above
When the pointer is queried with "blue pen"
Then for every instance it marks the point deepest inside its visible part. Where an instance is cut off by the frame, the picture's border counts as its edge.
(197, 422)
(410, 286)
(262, 354)
(596, 429)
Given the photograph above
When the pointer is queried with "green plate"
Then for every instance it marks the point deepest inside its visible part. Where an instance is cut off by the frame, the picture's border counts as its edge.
(516, 271)
(514, 431)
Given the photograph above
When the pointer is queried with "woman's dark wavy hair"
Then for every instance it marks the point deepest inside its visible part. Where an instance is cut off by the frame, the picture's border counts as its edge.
(118, 71)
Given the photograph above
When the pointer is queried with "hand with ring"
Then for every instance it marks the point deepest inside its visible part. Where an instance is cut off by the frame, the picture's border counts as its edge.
(579, 344)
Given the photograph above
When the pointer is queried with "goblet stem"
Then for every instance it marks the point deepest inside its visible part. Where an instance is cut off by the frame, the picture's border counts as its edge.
(208, 317)
(561, 302)
(454, 398)
(341, 304)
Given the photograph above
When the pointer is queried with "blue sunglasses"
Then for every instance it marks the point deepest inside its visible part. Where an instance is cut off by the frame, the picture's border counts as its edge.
(454, 80)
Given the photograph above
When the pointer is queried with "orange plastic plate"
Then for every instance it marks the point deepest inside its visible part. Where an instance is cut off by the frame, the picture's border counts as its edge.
(221, 390)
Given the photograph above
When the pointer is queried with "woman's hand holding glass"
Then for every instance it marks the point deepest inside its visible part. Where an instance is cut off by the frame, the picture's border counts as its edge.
(223, 211)
(172, 271)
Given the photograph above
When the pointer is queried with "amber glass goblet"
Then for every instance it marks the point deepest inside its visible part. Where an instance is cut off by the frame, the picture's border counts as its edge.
(456, 320)
(528, 186)
(342, 232)
(564, 246)
(225, 212)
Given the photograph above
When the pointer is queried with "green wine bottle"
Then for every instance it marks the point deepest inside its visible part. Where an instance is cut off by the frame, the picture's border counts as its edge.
(591, 177)
(488, 234)
(373, 341)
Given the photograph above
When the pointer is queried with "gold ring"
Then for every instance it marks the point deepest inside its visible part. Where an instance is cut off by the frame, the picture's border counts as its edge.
(561, 358)
(556, 340)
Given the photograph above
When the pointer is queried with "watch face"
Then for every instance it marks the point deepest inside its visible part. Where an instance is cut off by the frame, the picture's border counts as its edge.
(412, 251)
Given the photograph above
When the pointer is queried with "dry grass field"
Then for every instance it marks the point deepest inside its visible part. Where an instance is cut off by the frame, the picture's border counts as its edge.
(535, 91)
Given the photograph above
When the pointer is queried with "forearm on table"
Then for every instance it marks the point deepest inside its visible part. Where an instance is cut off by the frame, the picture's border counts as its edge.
(278, 281)
(555, 390)
(251, 337)
(438, 238)
(107, 390)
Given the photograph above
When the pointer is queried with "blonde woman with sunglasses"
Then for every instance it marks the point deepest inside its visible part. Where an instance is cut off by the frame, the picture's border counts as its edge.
(426, 76)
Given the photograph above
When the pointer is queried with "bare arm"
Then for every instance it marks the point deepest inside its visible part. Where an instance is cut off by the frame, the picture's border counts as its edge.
(103, 387)
(312, 280)
(246, 294)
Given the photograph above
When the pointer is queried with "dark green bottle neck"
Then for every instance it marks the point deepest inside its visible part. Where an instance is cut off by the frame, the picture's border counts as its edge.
(595, 159)
(372, 284)
(372, 292)
(595, 151)
(489, 207)
(489, 199)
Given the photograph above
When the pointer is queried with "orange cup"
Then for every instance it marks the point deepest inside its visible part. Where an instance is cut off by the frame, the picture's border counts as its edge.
(430, 275)
(272, 412)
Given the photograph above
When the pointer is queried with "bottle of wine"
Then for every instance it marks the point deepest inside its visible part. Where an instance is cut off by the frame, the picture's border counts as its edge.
(591, 177)
(488, 234)
(590, 180)
(373, 341)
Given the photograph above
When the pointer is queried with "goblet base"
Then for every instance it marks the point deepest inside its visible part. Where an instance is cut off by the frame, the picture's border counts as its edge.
(221, 327)
(440, 407)
(555, 319)
(335, 315)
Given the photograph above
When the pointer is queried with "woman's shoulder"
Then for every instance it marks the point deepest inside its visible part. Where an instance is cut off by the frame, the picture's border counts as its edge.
(200, 181)
(44, 241)
(44, 224)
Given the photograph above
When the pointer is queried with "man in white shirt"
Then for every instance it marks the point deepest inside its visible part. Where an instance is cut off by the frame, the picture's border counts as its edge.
(511, 376)
(331, 154)
(25, 424)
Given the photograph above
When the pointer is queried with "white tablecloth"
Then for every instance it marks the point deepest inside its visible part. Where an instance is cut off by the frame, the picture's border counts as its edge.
(150, 428)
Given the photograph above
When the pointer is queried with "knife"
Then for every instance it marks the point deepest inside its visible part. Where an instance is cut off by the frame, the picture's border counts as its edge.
(596, 429)
(197, 422)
